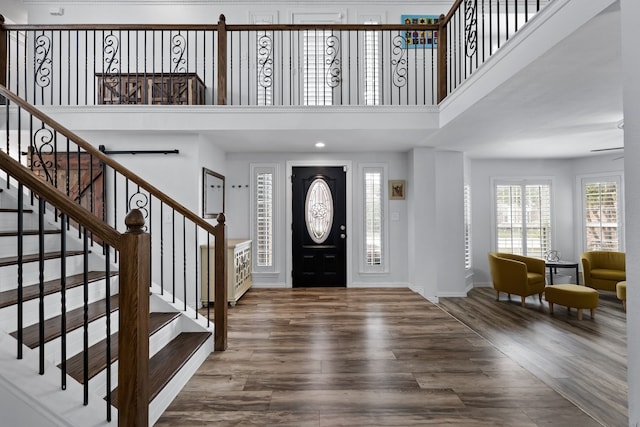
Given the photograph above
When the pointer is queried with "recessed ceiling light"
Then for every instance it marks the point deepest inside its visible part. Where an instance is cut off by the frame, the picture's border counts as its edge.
(319, 144)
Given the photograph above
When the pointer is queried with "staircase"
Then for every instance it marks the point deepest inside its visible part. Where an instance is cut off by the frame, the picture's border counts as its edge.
(60, 305)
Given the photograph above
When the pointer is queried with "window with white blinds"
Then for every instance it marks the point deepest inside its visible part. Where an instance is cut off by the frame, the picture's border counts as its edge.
(374, 242)
(318, 47)
(373, 217)
(601, 212)
(371, 66)
(523, 218)
(467, 226)
(263, 215)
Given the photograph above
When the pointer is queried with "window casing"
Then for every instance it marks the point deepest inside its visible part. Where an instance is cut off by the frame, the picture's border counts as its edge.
(602, 214)
(467, 227)
(374, 242)
(263, 214)
(523, 217)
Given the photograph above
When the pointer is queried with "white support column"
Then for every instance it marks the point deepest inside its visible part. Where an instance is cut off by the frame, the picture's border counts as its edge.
(422, 242)
(450, 224)
(630, 10)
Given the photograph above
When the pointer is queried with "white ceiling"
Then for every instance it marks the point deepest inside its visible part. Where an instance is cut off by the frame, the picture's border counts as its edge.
(567, 103)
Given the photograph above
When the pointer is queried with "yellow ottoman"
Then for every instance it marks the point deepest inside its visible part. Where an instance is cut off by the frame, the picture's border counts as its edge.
(576, 296)
(621, 293)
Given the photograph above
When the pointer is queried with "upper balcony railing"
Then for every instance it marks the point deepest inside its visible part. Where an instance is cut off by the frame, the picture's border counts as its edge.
(416, 63)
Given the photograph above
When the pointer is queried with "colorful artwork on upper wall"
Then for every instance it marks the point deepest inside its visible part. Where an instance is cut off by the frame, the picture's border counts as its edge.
(417, 39)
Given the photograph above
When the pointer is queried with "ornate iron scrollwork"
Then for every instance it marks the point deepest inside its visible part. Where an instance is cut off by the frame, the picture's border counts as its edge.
(43, 61)
(333, 62)
(140, 201)
(471, 27)
(265, 61)
(42, 145)
(178, 48)
(110, 51)
(399, 62)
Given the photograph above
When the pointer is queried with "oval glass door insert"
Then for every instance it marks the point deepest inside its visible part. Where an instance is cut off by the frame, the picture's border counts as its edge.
(318, 208)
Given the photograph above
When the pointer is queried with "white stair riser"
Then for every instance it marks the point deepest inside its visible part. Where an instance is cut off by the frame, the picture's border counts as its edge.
(52, 304)
(31, 273)
(31, 244)
(156, 342)
(75, 339)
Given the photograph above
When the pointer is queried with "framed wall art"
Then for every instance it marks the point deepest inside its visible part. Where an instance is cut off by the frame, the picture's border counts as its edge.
(417, 39)
(397, 189)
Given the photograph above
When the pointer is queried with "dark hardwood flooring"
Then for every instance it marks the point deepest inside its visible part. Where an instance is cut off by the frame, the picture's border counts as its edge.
(388, 357)
(583, 360)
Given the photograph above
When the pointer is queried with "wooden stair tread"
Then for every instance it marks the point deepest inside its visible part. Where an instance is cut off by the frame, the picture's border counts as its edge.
(31, 292)
(75, 320)
(98, 351)
(27, 233)
(14, 210)
(35, 257)
(167, 362)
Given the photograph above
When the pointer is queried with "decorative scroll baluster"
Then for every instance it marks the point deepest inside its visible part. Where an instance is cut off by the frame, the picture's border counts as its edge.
(265, 61)
(399, 62)
(470, 28)
(332, 50)
(42, 60)
(178, 49)
(42, 145)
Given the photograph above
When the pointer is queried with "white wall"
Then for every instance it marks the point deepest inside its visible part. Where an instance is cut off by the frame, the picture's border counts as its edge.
(563, 174)
(631, 65)
(239, 198)
(198, 12)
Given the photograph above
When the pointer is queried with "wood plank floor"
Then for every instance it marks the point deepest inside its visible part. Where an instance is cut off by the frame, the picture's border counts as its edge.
(371, 357)
(585, 361)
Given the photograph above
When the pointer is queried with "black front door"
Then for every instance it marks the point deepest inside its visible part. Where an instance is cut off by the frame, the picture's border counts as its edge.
(319, 226)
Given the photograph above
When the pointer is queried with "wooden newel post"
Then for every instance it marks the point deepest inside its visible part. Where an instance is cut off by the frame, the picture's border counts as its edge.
(442, 59)
(220, 292)
(133, 339)
(222, 61)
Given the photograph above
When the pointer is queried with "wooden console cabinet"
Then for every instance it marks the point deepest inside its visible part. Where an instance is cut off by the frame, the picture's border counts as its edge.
(238, 270)
(155, 88)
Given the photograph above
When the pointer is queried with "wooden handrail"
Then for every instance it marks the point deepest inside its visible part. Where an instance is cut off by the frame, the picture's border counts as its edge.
(108, 160)
(60, 200)
(215, 27)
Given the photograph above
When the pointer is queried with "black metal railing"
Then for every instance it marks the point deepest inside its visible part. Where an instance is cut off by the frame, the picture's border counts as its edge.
(476, 29)
(108, 192)
(265, 65)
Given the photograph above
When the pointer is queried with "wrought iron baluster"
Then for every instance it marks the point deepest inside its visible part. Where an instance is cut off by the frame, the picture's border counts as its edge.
(20, 249)
(41, 252)
(63, 300)
(107, 264)
(85, 320)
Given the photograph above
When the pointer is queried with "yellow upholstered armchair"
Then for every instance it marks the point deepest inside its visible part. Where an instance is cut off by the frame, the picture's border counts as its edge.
(517, 274)
(603, 269)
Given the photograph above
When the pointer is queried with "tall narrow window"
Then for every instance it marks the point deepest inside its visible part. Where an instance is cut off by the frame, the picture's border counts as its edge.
(263, 216)
(374, 256)
(321, 67)
(523, 218)
(467, 226)
(601, 209)
(373, 217)
(371, 66)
